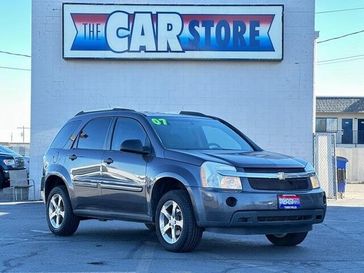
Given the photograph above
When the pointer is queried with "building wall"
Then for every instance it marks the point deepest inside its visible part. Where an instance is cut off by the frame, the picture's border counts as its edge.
(355, 156)
(272, 102)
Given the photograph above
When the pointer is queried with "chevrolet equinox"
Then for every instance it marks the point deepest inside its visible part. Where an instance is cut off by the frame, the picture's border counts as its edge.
(180, 174)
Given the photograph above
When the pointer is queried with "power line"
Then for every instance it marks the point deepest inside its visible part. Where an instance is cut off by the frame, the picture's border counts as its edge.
(343, 61)
(342, 58)
(14, 68)
(15, 54)
(341, 36)
(338, 10)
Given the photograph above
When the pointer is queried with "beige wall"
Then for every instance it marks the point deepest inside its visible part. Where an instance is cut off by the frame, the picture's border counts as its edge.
(355, 156)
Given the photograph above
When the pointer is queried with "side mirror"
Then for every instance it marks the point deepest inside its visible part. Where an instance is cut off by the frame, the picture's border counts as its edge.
(134, 146)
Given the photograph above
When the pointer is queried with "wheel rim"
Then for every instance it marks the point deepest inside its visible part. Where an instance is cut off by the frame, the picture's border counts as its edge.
(56, 211)
(171, 222)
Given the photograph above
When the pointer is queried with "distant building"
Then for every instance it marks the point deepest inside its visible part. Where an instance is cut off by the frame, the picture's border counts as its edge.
(344, 116)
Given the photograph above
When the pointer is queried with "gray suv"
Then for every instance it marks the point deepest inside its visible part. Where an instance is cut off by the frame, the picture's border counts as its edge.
(180, 174)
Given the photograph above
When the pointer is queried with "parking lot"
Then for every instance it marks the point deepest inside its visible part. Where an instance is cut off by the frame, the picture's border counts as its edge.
(26, 245)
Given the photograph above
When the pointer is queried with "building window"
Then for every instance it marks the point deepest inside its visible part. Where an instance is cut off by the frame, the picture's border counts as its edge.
(326, 125)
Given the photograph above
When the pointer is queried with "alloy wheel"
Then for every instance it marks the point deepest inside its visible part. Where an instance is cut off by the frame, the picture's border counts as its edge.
(171, 222)
(56, 211)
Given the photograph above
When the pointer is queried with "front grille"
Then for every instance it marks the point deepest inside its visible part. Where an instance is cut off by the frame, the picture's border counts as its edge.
(290, 184)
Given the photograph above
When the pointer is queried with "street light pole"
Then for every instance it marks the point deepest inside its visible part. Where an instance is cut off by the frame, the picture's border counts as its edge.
(23, 131)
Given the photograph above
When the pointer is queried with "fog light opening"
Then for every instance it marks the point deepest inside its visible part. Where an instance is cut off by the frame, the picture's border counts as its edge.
(231, 201)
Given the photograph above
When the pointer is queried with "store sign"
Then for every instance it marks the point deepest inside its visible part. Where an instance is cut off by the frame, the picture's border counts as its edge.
(173, 32)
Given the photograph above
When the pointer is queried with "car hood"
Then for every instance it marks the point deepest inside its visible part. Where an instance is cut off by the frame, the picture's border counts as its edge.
(256, 159)
(6, 154)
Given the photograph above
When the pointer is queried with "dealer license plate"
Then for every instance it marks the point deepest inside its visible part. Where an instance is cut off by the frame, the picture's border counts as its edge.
(289, 201)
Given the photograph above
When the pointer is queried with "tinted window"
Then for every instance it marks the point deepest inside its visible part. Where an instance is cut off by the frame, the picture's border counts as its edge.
(93, 135)
(125, 129)
(197, 134)
(66, 135)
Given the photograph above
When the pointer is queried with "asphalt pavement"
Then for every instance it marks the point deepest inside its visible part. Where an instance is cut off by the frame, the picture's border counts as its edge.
(26, 245)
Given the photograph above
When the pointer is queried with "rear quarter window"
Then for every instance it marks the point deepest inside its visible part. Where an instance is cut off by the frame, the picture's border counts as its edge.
(66, 135)
(93, 135)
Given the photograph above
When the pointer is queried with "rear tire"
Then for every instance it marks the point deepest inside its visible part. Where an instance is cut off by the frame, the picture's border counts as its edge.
(60, 218)
(289, 239)
(175, 222)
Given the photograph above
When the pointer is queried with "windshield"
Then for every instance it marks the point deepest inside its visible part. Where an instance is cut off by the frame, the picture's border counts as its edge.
(197, 134)
(6, 150)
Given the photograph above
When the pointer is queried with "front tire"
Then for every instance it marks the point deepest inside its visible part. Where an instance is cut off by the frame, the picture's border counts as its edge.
(289, 239)
(60, 218)
(175, 222)
(4, 183)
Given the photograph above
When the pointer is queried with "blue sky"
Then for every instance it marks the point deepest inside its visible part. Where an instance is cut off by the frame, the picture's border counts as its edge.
(15, 36)
(342, 78)
(339, 79)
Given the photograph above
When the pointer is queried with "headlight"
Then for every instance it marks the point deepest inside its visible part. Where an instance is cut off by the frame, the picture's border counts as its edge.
(314, 180)
(9, 162)
(210, 177)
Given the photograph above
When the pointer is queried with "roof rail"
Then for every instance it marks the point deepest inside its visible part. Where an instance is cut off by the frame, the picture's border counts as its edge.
(106, 110)
(191, 113)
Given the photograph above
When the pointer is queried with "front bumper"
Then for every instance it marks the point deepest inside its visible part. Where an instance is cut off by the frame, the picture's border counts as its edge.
(257, 212)
(6, 175)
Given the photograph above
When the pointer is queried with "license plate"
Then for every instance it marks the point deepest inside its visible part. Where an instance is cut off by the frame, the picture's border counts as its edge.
(289, 201)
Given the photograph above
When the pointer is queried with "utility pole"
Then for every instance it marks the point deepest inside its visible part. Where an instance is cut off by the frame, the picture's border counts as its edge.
(23, 128)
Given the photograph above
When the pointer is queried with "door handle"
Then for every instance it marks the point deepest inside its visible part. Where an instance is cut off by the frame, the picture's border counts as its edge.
(108, 161)
(73, 157)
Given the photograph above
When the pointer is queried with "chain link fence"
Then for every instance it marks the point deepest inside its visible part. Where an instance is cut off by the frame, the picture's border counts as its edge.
(325, 162)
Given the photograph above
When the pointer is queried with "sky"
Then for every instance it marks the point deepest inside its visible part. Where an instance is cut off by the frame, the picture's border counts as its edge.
(340, 78)
(15, 36)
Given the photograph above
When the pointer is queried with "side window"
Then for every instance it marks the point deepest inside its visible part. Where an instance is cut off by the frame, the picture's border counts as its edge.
(66, 135)
(127, 128)
(93, 135)
(215, 136)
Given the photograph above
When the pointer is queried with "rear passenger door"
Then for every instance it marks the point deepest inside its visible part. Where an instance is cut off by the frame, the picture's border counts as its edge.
(123, 186)
(84, 162)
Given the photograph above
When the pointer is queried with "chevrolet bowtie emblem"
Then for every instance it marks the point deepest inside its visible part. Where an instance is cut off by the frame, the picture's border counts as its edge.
(281, 176)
